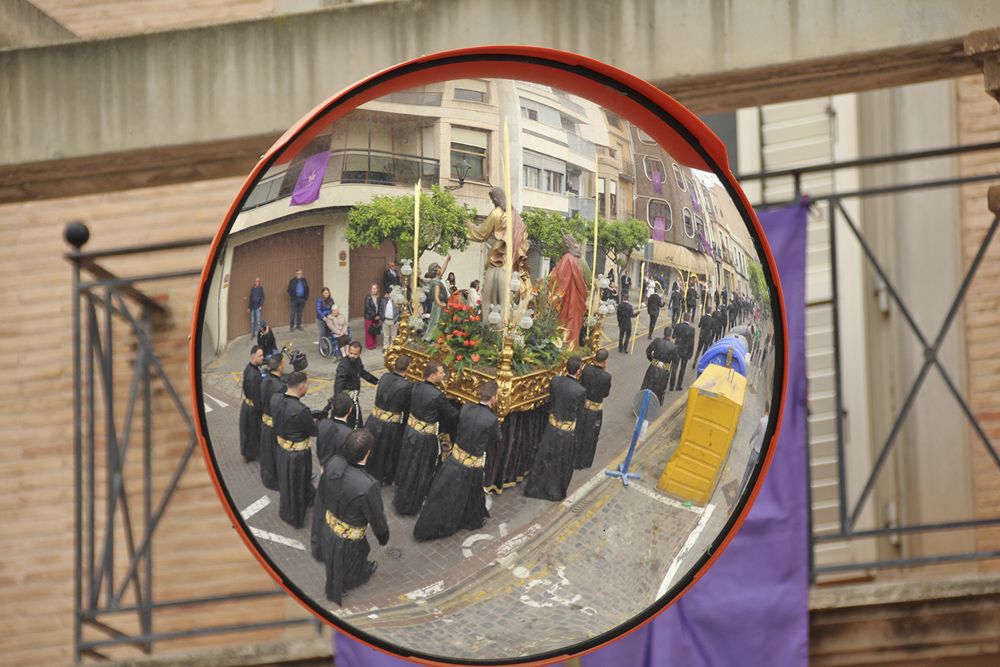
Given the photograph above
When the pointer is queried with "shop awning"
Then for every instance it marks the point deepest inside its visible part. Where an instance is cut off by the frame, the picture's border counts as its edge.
(679, 257)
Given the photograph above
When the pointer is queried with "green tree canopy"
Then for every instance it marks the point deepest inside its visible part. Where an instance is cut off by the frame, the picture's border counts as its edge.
(442, 223)
(546, 228)
(622, 238)
(758, 284)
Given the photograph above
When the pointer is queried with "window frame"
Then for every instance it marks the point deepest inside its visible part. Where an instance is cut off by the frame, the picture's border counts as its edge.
(670, 213)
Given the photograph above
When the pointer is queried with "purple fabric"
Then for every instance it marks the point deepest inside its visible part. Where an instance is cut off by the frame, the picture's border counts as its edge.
(694, 196)
(751, 607)
(705, 245)
(657, 182)
(659, 228)
(310, 179)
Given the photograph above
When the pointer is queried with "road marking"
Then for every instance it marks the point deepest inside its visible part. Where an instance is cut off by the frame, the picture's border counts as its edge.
(277, 539)
(472, 539)
(217, 401)
(503, 530)
(682, 554)
(421, 594)
(521, 572)
(208, 408)
(665, 500)
(509, 547)
(550, 591)
(255, 507)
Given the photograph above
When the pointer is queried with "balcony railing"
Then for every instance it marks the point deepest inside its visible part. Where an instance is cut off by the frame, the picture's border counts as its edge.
(581, 146)
(583, 205)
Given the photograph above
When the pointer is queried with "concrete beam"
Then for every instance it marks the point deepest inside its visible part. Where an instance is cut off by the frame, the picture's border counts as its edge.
(195, 88)
(22, 24)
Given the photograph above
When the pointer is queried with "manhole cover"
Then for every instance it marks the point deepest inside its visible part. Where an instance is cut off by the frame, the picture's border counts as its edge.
(394, 553)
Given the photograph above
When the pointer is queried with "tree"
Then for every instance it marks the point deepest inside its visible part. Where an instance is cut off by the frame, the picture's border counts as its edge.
(385, 218)
(758, 284)
(545, 229)
(622, 238)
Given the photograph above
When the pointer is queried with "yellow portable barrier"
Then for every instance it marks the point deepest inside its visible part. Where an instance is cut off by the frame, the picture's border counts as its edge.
(715, 402)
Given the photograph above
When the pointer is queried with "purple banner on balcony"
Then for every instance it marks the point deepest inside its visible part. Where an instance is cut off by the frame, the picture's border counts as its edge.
(310, 179)
(751, 608)
(705, 245)
(659, 229)
(657, 182)
(694, 196)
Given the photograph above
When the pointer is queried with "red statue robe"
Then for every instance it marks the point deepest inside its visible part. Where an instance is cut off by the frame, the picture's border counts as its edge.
(572, 290)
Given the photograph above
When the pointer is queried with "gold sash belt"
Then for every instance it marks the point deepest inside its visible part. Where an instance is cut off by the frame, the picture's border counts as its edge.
(267, 420)
(659, 364)
(591, 405)
(421, 426)
(386, 416)
(562, 426)
(248, 401)
(345, 530)
(291, 446)
(467, 459)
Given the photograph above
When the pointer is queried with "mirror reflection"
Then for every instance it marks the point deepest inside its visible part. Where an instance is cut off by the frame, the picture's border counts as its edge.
(486, 369)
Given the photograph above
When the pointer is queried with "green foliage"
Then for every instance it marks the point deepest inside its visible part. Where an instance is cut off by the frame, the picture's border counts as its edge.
(622, 238)
(758, 284)
(442, 223)
(545, 230)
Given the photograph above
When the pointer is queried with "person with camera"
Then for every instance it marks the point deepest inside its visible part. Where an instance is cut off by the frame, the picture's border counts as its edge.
(293, 426)
(350, 372)
(265, 338)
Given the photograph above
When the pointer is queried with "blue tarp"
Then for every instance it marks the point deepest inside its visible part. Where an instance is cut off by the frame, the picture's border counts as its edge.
(716, 354)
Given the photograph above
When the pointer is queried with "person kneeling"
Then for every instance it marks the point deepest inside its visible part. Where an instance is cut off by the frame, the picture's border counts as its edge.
(456, 499)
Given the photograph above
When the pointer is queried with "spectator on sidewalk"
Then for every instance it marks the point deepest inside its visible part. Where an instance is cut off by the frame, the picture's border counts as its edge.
(255, 305)
(324, 305)
(298, 294)
(372, 317)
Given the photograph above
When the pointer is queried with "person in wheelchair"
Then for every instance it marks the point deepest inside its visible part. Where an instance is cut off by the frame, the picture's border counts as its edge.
(339, 337)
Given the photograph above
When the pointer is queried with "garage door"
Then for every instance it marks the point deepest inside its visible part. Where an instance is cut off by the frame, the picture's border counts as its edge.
(274, 259)
(368, 264)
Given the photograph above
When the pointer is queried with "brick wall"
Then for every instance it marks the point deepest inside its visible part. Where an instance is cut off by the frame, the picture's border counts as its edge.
(106, 18)
(979, 121)
(197, 551)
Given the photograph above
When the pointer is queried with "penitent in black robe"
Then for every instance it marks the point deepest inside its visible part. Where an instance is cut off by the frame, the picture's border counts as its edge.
(355, 497)
(663, 352)
(269, 387)
(597, 383)
(418, 456)
(293, 422)
(553, 468)
(391, 396)
(250, 414)
(348, 378)
(329, 443)
(456, 498)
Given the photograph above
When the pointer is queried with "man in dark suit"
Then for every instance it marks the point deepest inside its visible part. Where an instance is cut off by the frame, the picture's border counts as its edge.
(653, 305)
(706, 331)
(298, 294)
(350, 372)
(552, 471)
(390, 277)
(684, 339)
(660, 353)
(625, 316)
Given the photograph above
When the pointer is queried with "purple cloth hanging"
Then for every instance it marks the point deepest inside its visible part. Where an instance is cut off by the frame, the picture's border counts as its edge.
(657, 181)
(310, 179)
(659, 228)
(751, 608)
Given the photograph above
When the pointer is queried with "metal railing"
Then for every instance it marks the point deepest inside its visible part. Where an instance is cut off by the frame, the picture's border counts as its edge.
(851, 510)
(103, 596)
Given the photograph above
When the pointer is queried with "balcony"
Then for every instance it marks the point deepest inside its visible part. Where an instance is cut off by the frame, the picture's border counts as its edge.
(582, 205)
(380, 168)
(581, 146)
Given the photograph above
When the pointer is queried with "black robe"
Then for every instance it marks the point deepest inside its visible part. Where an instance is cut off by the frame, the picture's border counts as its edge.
(684, 338)
(597, 383)
(392, 395)
(293, 421)
(269, 387)
(348, 378)
(418, 456)
(330, 437)
(552, 471)
(656, 378)
(354, 497)
(250, 414)
(456, 498)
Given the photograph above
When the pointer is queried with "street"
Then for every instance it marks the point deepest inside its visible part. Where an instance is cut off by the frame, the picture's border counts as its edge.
(539, 575)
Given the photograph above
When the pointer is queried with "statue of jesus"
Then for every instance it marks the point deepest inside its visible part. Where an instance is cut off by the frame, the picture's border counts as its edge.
(570, 275)
(495, 228)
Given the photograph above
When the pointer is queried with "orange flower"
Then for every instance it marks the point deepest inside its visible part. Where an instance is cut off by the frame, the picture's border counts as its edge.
(440, 339)
(458, 357)
(475, 357)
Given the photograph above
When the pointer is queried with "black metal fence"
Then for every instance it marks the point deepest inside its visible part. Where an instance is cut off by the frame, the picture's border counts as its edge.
(107, 602)
(850, 509)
